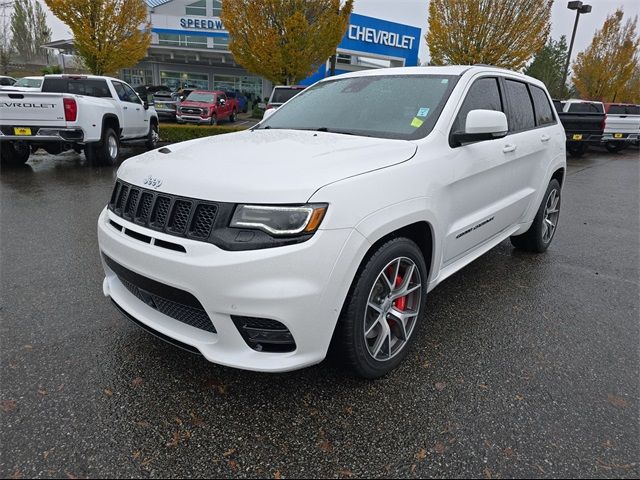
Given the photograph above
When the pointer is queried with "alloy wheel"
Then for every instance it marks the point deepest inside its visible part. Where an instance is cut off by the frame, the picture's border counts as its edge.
(551, 215)
(393, 308)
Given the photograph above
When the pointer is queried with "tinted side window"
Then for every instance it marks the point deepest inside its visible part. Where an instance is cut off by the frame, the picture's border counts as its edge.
(122, 95)
(544, 114)
(131, 95)
(617, 110)
(80, 86)
(521, 115)
(484, 94)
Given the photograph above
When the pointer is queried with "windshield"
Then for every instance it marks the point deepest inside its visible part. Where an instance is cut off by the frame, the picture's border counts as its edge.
(281, 95)
(29, 82)
(200, 97)
(386, 106)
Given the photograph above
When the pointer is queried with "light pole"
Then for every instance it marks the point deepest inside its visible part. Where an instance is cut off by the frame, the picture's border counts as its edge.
(579, 7)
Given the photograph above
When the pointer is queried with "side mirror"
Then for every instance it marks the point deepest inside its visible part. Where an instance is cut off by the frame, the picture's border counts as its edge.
(482, 125)
(222, 101)
(268, 113)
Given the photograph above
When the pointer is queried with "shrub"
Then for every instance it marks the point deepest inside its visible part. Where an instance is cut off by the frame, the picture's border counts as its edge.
(257, 113)
(174, 133)
(52, 70)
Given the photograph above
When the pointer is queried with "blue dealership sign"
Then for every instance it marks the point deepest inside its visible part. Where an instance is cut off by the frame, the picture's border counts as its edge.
(374, 37)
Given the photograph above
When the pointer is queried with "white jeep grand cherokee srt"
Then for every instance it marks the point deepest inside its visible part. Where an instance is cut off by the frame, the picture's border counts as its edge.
(331, 220)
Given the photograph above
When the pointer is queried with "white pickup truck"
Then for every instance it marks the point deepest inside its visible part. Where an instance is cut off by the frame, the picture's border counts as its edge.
(89, 113)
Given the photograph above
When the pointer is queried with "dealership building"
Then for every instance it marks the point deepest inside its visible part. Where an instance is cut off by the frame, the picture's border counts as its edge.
(189, 48)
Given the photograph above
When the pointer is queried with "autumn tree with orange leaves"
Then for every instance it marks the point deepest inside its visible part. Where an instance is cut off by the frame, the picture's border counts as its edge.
(284, 40)
(504, 33)
(108, 34)
(609, 69)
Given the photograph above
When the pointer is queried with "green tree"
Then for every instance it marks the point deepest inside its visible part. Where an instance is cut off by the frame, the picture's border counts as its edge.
(29, 28)
(608, 70)
(504, 33)
(284, 40)
(107, 33)
(548, 65)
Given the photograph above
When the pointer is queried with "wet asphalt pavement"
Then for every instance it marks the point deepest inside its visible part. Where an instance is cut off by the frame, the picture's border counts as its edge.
(525, 366)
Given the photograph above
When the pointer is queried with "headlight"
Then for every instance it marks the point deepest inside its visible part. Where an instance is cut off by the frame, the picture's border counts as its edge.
(205, 111)
(279, 220)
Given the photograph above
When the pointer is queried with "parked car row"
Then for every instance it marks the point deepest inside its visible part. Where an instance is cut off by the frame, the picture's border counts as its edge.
(612, 125)
(80, 112)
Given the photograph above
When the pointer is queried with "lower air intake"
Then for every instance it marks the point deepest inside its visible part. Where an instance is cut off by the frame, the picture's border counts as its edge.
(265, 335)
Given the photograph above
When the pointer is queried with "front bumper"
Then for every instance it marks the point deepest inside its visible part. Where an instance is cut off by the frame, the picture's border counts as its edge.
(192, 119)
(302, 286)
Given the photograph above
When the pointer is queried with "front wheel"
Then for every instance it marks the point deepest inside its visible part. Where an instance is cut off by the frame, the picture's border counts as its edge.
(539, 236)
(232, 117)
(14, 153)
(214, 120)
(384, 306)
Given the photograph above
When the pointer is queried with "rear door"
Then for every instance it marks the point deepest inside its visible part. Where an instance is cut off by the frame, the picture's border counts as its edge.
(527, 147)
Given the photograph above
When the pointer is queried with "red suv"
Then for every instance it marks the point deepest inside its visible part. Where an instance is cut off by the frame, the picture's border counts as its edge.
(208, 107)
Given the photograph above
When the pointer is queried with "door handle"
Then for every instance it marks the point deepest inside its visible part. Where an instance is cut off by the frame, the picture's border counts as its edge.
(124, 108)
(509, 148)
(137, 109)
(545, 138)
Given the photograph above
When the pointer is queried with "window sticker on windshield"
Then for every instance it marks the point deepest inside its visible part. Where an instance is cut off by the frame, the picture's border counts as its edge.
(423, 112)
(417, 123)
(444, 80)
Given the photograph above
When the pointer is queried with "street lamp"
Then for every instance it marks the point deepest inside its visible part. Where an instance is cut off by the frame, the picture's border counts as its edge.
(579, 7)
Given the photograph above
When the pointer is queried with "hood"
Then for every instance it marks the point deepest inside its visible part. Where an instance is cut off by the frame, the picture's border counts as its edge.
(263, 166)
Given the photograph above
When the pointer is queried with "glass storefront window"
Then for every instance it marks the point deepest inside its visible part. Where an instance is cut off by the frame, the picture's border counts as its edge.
(136, 76)
(221, 43)
(178, 80)
(182, 40)
(197, 8)
(217, 7)
(252, 85)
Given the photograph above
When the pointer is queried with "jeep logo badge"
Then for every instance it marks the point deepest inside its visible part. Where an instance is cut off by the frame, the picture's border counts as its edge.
(152, 181)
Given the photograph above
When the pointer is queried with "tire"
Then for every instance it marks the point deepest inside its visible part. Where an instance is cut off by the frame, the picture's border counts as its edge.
(614, 147)
(153, 136)
(537, 239)
(105, 152)
(12, 153)
(214, 120)
(577, 150)
(232, 117)
(357, 350)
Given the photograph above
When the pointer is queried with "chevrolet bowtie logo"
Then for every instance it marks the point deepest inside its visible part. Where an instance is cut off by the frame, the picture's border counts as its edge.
(152, 181)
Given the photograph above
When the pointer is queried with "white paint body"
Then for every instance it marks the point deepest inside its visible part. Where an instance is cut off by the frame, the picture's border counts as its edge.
(373, 187)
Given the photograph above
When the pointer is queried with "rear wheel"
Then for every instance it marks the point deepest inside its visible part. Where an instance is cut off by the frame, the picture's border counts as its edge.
(540, 234)
(105, 152)
(384, 306)
(232, 117)
(576, 149)
(14, 153)
(614, 147)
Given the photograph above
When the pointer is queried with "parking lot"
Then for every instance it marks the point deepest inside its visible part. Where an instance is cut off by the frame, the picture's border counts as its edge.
(525, 366)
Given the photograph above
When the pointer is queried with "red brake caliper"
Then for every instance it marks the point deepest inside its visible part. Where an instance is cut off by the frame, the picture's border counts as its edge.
(400, 303)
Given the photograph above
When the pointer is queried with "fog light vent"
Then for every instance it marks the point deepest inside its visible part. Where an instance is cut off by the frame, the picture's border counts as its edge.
(265, 335)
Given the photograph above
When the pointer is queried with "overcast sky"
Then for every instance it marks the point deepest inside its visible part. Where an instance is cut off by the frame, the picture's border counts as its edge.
(415, 12)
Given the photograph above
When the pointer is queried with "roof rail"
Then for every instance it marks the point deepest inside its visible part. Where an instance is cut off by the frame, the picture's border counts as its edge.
(497, 68)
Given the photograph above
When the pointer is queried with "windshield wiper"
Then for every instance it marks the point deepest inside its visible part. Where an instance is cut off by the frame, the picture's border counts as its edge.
(329, 130)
